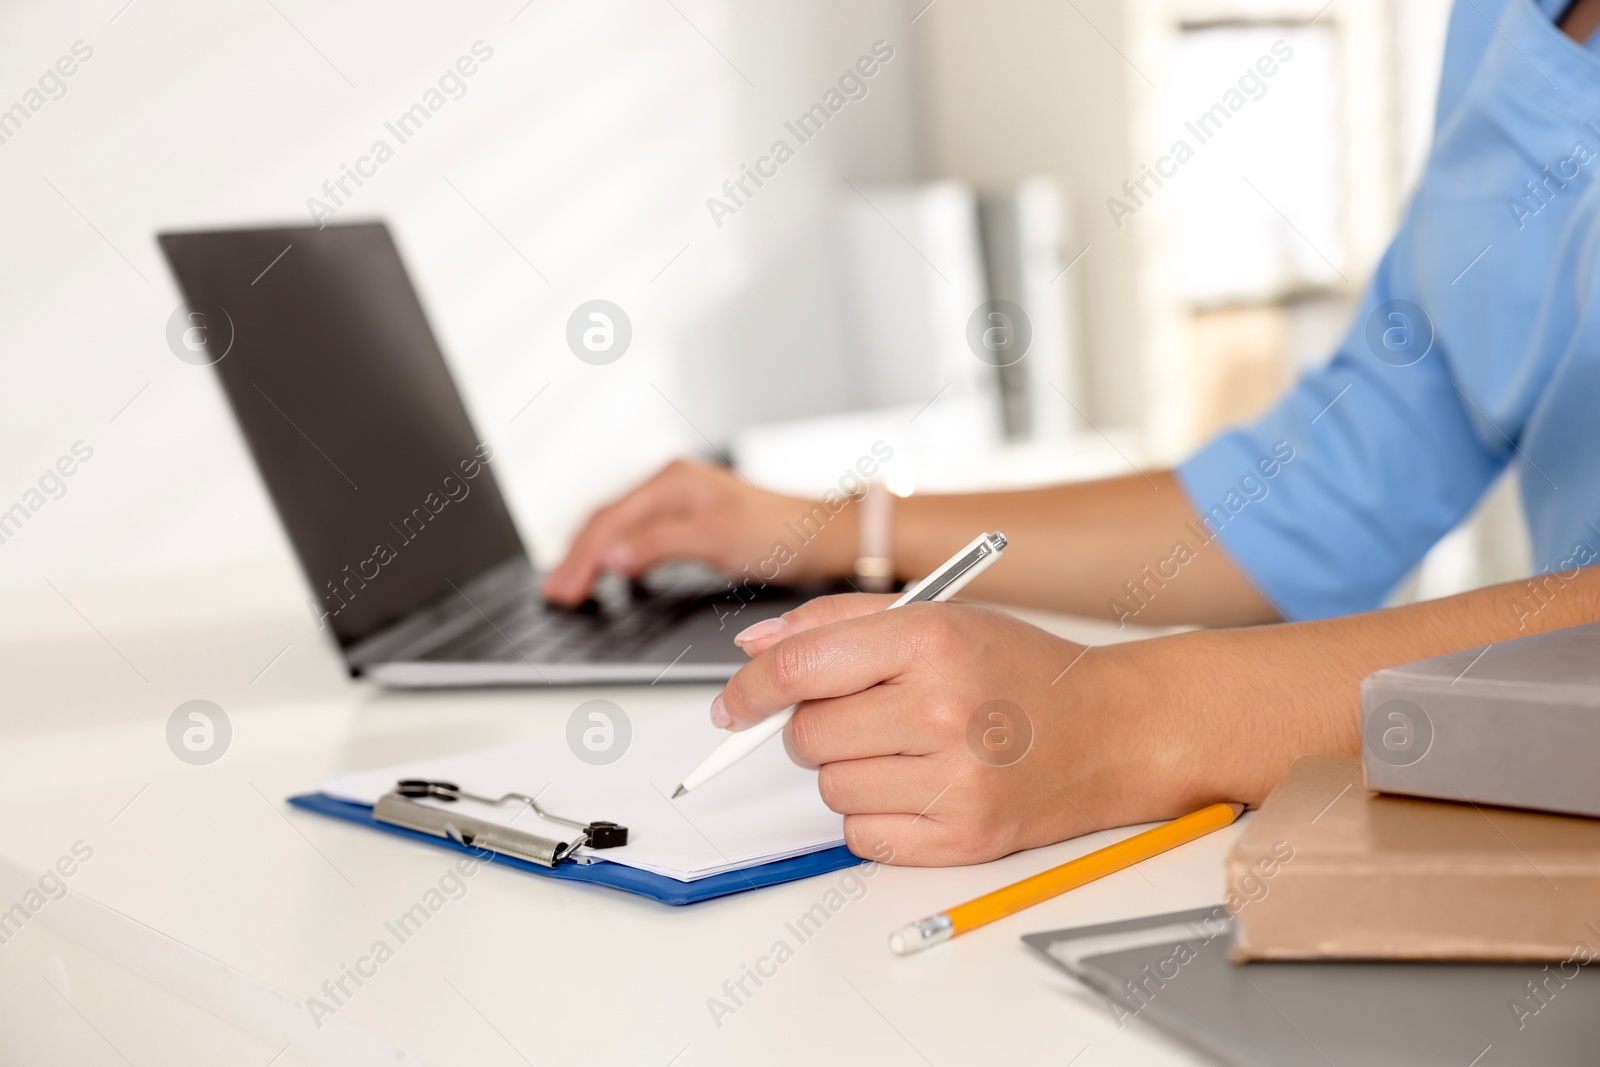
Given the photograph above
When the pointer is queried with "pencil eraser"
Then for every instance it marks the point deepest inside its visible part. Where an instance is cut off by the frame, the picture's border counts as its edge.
(919, 935)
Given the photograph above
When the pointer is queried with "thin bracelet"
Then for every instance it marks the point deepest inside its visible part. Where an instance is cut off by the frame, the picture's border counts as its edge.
(874, 558)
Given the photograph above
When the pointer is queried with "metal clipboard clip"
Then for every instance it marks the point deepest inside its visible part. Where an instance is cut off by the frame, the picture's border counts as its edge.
(398, 807)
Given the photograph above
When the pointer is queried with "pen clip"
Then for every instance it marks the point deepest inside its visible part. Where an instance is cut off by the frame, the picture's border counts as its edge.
(971, 561)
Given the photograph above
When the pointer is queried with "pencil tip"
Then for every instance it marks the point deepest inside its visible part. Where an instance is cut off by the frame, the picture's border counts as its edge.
(678, 792)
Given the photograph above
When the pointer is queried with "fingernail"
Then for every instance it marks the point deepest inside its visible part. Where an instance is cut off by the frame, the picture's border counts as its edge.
(719, 714)
(763, 629)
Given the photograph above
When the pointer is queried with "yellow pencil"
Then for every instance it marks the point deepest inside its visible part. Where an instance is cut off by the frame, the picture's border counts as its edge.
(1057, 880)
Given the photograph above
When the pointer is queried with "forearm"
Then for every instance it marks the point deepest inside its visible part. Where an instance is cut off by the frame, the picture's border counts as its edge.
(1119, 548)
(1259, 698)
(1115, 735)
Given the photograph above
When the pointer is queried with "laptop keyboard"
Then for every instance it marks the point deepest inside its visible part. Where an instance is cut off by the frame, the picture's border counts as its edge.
(529, 629)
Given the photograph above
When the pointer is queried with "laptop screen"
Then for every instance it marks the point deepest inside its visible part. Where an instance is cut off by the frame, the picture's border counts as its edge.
(343, 396)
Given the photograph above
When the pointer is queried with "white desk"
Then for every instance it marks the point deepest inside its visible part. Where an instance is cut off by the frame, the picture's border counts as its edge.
(519, 969)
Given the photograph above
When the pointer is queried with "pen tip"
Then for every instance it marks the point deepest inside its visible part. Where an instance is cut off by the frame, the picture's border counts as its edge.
(678, 792)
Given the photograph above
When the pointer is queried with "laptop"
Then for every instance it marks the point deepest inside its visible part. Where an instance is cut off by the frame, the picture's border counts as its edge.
(390, 496)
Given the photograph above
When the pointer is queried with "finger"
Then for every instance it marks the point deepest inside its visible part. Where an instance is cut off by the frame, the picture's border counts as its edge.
(832, 660)
(886, 720)
(600, 536)
(907, 840)
(884, 785)
(808, 616)
(572, 578)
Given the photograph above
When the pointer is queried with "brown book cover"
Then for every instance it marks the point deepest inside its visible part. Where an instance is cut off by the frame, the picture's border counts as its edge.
(1328, 870)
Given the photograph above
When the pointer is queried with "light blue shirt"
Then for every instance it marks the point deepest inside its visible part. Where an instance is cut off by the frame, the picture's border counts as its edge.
(1477, 347)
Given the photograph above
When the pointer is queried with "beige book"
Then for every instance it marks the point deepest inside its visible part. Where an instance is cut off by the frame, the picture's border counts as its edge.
(1328, 870)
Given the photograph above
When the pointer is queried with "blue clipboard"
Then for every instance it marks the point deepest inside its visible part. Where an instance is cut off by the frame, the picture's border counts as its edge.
(604, 872)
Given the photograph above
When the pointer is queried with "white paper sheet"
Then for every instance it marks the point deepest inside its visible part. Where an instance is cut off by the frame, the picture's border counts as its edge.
(763, 809)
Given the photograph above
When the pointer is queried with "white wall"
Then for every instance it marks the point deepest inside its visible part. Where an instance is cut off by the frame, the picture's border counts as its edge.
(591, 140)
(1023, 87)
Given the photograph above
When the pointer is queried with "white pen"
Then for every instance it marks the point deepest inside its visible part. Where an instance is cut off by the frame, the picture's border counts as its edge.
(942, 584)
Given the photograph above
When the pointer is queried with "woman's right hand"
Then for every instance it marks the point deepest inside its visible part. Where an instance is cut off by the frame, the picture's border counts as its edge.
(693, 510)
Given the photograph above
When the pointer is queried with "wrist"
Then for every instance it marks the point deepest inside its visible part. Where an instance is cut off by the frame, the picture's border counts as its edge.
(1242, 705)
(824, 539)
(914, 518)
(874, 563)
(1147, 688)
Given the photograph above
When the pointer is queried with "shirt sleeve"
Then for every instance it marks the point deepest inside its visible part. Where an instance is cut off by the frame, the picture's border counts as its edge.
(1372, 457)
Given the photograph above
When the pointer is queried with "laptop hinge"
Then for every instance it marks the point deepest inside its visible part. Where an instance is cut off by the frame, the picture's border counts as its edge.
(446, 616)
